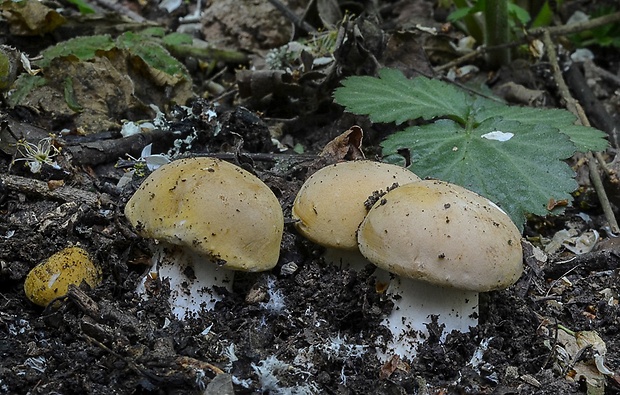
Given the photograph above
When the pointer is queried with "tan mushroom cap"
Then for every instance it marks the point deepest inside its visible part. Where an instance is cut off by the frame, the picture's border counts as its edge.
(330, 205)
(214, 208)
(443, 234)
(51, 278)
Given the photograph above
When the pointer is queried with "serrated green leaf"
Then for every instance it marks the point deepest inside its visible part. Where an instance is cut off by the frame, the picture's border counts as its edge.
(520, 174)
(584, 138)
(153, 54)
(512, 155)
(84, 48)
(394, 98)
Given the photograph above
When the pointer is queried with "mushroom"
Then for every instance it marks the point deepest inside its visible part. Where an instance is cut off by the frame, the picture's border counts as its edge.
(210, 218)
(445, 244)
(51, 278)
(330, 205)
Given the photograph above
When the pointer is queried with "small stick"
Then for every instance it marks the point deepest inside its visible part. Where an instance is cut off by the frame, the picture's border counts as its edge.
(465, 58)
(134, 366)
(576, 27)
(290, 15)
(603, 73)
(573, 106)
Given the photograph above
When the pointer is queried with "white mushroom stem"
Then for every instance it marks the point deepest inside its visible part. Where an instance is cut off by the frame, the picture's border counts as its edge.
(192, 279)
(414, 304)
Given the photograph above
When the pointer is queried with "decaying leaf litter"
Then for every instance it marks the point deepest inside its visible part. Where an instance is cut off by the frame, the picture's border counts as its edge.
(305, 326)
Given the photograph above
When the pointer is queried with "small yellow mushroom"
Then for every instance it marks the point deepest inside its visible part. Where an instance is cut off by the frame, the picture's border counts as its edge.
(51, 278)
(330, 205)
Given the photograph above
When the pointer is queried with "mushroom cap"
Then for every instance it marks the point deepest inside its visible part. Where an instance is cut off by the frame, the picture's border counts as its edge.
(443, 234)
(51, 278)
(330, 205)
(214, 208)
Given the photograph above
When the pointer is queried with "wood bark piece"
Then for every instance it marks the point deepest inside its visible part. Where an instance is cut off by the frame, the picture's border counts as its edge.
(65, 193)
(92, 153)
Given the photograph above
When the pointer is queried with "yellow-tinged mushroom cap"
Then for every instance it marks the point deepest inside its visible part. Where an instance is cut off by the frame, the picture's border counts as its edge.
(443, 234)
(330, 205)
(51, 279)
(214, 208)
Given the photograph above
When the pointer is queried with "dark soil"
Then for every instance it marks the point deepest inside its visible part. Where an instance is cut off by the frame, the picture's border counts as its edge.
(108, 340)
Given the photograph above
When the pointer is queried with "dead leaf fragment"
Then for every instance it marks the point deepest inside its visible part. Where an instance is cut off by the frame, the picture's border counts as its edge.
(347, 146)
(591, 338)
(390, 367)
(30, 18)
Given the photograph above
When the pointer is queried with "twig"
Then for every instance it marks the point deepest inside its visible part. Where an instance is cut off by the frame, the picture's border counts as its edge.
(134, 366)
(593, 261)
(290, 15)
(551, 349)
(576, 27)
(597, 182)
(602, 72)
(573, 106)
(453, 63)
(597, 114)
(196, 364)
(566, 273)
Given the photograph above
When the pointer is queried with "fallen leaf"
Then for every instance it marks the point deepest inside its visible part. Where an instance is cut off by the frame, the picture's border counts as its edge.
(347, 146)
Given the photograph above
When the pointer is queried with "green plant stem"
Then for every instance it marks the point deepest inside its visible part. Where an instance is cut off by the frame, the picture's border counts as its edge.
(497, 32)
(565, 329)
(472, 24)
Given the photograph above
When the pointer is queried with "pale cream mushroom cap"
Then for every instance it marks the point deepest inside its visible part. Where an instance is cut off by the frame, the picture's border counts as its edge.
(215, 209)
(330, 205)
(443, 234)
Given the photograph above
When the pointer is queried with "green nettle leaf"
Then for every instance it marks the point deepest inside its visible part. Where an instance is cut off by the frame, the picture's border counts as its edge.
(394, 98)
(511, 155)
(517, 165)
(584, 138)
